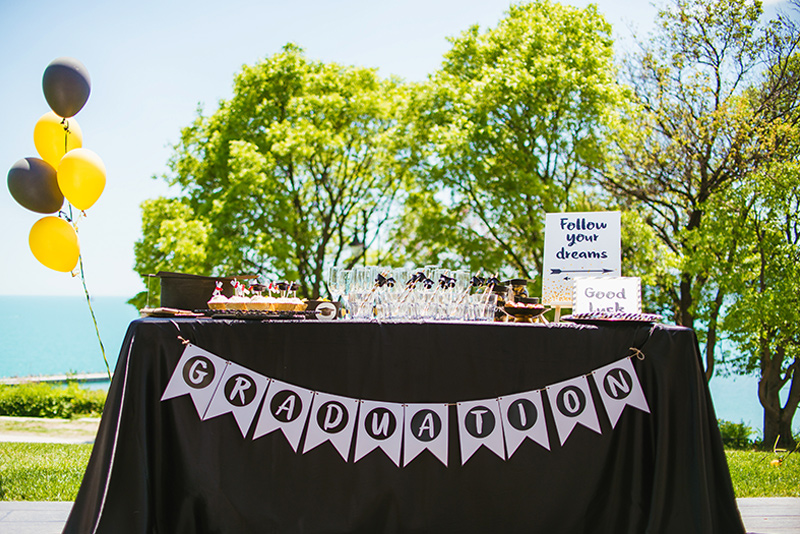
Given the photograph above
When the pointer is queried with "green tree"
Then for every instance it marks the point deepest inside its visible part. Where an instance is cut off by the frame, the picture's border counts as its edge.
(509, 126)
(760, 223)
(277, 179)
(695, 129)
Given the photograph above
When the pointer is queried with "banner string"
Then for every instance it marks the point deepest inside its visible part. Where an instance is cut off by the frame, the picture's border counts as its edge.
(638, 354)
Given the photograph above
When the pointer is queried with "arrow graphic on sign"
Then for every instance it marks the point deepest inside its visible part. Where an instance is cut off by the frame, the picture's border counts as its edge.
(560, 271)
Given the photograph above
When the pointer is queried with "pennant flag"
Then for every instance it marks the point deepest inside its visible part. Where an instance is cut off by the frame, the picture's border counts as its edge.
(523, 417)
(425, 427)
(380, 425)
(197, 374)
(333, 419)
(240, 393)
(286, 408)
(479, 424)
(572, 403)
(619, 386)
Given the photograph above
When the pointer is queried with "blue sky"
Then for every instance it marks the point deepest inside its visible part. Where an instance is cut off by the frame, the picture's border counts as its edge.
(152, 62)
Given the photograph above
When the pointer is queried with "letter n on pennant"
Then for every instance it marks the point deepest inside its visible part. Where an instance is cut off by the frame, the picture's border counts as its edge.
(619, 386)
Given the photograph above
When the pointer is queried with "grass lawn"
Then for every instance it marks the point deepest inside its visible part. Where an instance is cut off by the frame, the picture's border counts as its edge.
(42, 471)
(754, 476)
(53, 472)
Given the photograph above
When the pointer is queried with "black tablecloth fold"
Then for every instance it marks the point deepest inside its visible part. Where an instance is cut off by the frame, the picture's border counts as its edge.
(157, 467)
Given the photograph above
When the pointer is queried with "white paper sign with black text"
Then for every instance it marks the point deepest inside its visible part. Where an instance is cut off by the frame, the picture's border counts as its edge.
(425, 427)
(380, 425)
(523, 417)
(578, 244)
(619, 386)
(572, 404)
(197, 374)
(240, 392)
(610, 295)
(479, 424)
(286, 408)
(333, 418)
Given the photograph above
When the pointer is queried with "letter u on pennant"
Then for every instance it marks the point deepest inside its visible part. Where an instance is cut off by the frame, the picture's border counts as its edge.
(380, 425)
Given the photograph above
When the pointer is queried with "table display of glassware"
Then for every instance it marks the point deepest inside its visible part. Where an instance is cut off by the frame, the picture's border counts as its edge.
(429, 293)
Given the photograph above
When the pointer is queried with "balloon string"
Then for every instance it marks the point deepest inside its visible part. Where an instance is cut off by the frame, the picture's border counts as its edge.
(91, 310)
(94, 319)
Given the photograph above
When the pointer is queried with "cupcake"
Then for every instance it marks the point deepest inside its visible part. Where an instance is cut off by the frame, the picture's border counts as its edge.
(238, 301)
(218, 301)
(259, 302)
(284, 304)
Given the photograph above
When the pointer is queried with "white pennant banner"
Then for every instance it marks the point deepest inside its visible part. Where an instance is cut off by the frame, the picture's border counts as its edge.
(380, 425)
(286, 408)
(619, 386)
(479, 424)
(402, 431)
(333, 418)
(240, 393)
(425, 427)
(523, 417)
(197, 374)
(572, 403)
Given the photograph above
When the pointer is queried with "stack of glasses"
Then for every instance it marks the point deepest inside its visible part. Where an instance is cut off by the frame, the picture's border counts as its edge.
(399, 294)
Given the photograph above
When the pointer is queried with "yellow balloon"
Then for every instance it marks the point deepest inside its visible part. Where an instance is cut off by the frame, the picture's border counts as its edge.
(54, 139)
(54, 243)
(81, 177)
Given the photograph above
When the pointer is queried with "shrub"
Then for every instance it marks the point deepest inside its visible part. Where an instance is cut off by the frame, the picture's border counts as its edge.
(45, 400)
(735, 435)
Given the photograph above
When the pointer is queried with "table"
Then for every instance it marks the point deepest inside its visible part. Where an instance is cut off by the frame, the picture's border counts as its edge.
(157, 467)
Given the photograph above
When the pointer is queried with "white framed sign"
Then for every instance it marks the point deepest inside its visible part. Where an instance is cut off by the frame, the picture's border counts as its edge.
(611, 295)
(578, 244)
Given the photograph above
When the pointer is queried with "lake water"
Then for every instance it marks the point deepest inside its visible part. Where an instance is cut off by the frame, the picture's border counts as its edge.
(55, 335)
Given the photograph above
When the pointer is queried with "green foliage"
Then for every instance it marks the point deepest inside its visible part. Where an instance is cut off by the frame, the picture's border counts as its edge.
(754, 476)
(275, 181)
(509, 127)
(735, 435)
(42, 471)
(44, 400)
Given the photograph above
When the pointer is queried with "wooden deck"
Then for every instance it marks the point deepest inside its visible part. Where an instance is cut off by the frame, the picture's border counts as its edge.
(774, 515)
(779, 515)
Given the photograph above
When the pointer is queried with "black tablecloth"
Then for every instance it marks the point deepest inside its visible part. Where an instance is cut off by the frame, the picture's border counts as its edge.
(157, 467)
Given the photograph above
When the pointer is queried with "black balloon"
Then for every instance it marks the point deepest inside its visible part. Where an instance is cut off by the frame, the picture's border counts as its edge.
(66, 85)
(33, 183)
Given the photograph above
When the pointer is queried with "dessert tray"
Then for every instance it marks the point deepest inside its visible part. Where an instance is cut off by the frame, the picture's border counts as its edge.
(257, 314)
(524, 311)
(606, 317)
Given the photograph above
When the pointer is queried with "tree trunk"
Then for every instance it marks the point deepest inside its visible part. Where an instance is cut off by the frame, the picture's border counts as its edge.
(777, 418)
(685, 317)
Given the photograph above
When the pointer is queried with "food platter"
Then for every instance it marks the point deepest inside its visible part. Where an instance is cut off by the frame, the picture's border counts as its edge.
(604, 318)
